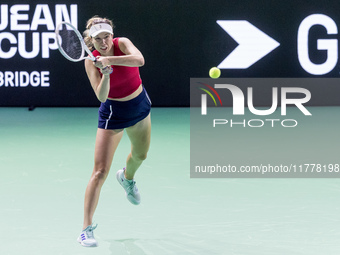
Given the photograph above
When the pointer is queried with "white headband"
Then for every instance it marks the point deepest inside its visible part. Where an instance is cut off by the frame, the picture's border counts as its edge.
(99, 28)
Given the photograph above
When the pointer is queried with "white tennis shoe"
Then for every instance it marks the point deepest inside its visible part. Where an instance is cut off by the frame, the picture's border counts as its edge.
(130, 187)
(86, 237)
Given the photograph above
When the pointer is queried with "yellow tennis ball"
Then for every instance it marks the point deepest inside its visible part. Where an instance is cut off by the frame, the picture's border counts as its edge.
(214, 72)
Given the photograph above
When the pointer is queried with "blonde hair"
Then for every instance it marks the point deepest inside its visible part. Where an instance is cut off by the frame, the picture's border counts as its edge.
(92, 21)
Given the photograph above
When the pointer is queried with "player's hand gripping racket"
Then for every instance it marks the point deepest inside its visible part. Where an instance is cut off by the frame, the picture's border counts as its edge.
(71, 43)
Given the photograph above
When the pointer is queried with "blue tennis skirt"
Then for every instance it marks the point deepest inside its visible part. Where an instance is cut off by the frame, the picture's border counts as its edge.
(122, 114)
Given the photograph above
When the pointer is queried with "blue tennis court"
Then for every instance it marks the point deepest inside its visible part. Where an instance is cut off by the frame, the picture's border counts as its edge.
(47, 159)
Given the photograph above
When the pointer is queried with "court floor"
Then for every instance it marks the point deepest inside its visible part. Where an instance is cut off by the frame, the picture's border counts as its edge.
(46, 158)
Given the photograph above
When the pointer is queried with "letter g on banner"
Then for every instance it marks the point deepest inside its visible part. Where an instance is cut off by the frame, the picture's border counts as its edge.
(330, 45)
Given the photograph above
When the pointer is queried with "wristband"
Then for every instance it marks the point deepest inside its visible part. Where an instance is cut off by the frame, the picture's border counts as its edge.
(111, 70)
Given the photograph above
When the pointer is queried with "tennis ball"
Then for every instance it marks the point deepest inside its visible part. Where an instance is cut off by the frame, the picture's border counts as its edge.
(214, 72)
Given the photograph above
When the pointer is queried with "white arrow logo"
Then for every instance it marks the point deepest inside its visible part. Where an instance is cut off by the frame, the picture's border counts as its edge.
(253, 44)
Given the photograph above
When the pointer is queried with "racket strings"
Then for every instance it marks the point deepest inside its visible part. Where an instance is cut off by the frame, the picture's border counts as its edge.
(71, 44)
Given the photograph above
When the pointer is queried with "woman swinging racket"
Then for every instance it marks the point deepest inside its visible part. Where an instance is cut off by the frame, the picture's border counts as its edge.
(125, 104)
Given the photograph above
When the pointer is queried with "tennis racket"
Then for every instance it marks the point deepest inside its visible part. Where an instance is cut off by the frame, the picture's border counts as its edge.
(71, 43)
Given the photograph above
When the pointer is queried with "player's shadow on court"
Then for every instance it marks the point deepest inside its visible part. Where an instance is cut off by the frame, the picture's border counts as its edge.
(156, 246)
(129, 245)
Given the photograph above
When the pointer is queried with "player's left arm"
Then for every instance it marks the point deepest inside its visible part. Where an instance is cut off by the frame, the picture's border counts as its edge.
(133, 57)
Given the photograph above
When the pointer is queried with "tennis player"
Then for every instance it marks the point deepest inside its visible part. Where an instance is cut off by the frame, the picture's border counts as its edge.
(125, 104)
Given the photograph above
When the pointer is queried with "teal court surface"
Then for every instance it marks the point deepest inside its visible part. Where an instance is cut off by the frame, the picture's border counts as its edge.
(46, 159)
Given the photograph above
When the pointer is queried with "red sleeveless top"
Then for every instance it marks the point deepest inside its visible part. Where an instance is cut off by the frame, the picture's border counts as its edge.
(124, 80)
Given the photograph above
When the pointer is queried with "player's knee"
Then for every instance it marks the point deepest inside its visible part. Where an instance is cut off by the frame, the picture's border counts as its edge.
(141, 156)
(100, 173)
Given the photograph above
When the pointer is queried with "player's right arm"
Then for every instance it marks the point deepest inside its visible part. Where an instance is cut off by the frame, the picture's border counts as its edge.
(100, 85)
